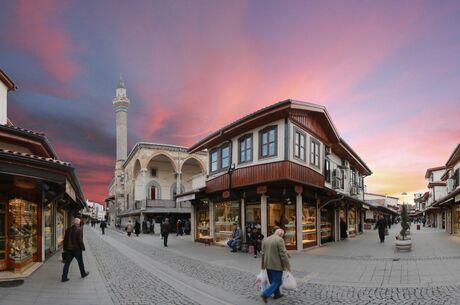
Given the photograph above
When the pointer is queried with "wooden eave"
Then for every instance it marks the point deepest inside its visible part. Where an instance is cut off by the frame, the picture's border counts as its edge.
(38, 144)
(433, 169)
(7, 81)
(454, 157)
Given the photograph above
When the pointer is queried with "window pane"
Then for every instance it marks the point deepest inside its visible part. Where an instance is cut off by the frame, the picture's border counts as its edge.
(272, 135)
(225, 157)
(302, 153)
(249, 143)
(264, 138)
(242, 156)
(249, 154)
(264, 150)
(302, 140)
(271, 150)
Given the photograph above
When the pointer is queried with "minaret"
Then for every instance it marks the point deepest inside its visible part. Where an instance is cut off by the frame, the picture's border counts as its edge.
(121, 103)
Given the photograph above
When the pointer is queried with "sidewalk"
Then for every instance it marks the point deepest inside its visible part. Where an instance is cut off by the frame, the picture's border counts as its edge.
(44, 287)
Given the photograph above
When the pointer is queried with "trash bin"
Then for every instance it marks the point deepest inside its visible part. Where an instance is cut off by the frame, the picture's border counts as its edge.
(418, 227)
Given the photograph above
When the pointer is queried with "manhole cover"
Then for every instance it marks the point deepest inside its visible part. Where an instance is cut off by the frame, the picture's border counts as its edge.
(14, 283)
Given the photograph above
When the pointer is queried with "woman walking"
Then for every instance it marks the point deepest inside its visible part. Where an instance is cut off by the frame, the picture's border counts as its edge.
(129, 228)
(137, 228)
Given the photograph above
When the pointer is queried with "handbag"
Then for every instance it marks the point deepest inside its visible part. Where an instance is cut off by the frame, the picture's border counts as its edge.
(262, 280)
(289, 282)
(386, 232)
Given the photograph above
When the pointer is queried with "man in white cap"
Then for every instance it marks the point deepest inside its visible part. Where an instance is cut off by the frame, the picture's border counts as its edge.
(73, 247)
(275, 259)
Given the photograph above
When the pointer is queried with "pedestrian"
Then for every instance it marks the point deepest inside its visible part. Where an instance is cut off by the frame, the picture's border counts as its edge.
(73, 247)
(144, 226)
(165, 228)
(237, 236)
(275, 259)
(381, 224)
(152, 226)
(187, 227)
(137, 228)
(129, 228)
(389, 222)
(147, 226)
(179, 228)
(343, 229)
(103, 225)
(255, 239)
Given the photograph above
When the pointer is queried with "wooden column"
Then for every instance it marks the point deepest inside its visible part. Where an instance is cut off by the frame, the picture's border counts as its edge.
(211, 219)
(299, 227)
(263, 214)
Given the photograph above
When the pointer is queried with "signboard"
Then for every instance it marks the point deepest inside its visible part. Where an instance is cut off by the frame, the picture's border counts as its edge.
(261, 190)
(185, 198)
(69, 190)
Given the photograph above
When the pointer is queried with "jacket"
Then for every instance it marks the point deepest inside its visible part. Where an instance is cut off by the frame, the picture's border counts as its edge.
(165, 228)
(73, 239)
(129, 228)
(274, 254)
(237, 234)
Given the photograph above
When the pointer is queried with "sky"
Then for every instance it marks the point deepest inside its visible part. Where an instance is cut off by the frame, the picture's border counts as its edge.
(388, 73)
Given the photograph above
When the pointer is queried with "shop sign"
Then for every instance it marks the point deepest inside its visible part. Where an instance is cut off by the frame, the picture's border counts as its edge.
(261, 190)
(185, 198)
(298, 189)
(69, 190)
(225, 194)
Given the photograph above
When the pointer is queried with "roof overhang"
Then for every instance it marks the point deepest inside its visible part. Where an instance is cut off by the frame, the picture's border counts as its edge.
(4, 78)
(454, 157)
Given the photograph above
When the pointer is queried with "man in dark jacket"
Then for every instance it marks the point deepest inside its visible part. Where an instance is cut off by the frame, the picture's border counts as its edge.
(165, 228)
(103, 226)
(381, 225)
(73, 247)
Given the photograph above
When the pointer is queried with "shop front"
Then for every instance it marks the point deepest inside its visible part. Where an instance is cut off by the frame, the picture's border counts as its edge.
(327, 228)
(225, 215)
(203, 230)
(282, 215)
(309, 227)
(456, 219)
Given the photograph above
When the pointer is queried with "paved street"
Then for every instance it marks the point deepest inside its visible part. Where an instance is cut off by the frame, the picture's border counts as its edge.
(139, 270)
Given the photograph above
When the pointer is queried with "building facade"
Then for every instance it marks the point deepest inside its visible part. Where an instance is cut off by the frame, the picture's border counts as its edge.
(39, 195)
(282, 166)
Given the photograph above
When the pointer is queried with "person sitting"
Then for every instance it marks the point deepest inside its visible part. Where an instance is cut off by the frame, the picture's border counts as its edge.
(255, 239)
(236, 238)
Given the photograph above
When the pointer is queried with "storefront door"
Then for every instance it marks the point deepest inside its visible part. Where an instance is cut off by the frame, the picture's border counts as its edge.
(283, 216)
(327, 219)
(309, 233)
(202, 223)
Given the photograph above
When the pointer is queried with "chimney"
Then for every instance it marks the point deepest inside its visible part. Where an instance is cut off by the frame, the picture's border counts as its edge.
(6, 85)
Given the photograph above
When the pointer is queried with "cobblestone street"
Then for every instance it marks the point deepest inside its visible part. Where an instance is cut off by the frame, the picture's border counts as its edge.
(129, 283)
(139, 270)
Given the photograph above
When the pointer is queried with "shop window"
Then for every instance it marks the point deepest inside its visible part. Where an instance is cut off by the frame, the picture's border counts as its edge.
(282, 216)
(268, 142)
(202, 220)
(352, 221)
(22, 234)
(225, 215)
(308, 225)
(2, 235)
(60, 227)
(48, 213)
(252, 216)
(327, 217)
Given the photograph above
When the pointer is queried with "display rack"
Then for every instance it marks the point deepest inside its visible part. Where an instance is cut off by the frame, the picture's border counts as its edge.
(22, 235)
(308, 234)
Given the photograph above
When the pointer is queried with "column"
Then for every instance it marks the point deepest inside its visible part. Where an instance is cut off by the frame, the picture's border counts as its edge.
(192, 222)
(178, 183)
(263, 214)
(243, 218)
(142, 191)
(299, 227)
(211, 219)
(318, 222)
(336, 224)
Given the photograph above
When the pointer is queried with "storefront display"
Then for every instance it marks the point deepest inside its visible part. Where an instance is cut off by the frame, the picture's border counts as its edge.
(456, 219)
(225, 215)
(2, 235)
(327, 217)
(252, 216)
(60, 227)
(49, 230)
(22, 236)
(309, 233)
(202, 223)
(351, 221)
(283, 216)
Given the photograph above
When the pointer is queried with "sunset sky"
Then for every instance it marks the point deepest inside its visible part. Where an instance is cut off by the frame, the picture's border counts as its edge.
(388, 73)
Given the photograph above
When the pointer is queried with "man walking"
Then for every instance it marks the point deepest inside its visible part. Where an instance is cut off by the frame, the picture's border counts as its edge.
(275, 260)
(381, 225)
(73, 247)
(103, 226)
(165, 228)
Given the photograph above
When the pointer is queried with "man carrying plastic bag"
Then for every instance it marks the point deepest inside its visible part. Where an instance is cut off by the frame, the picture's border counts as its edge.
(275, 260)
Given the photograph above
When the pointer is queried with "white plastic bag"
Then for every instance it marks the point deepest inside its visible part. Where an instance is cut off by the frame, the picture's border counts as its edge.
(262, 280)
(289, 282)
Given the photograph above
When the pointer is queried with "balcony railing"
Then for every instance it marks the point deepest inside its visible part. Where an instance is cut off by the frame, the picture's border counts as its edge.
(262, 173)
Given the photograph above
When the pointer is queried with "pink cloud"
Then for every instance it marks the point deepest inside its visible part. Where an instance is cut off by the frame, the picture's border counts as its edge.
(48, 42)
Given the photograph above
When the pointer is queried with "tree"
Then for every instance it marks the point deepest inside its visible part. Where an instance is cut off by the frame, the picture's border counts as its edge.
(404, 222)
